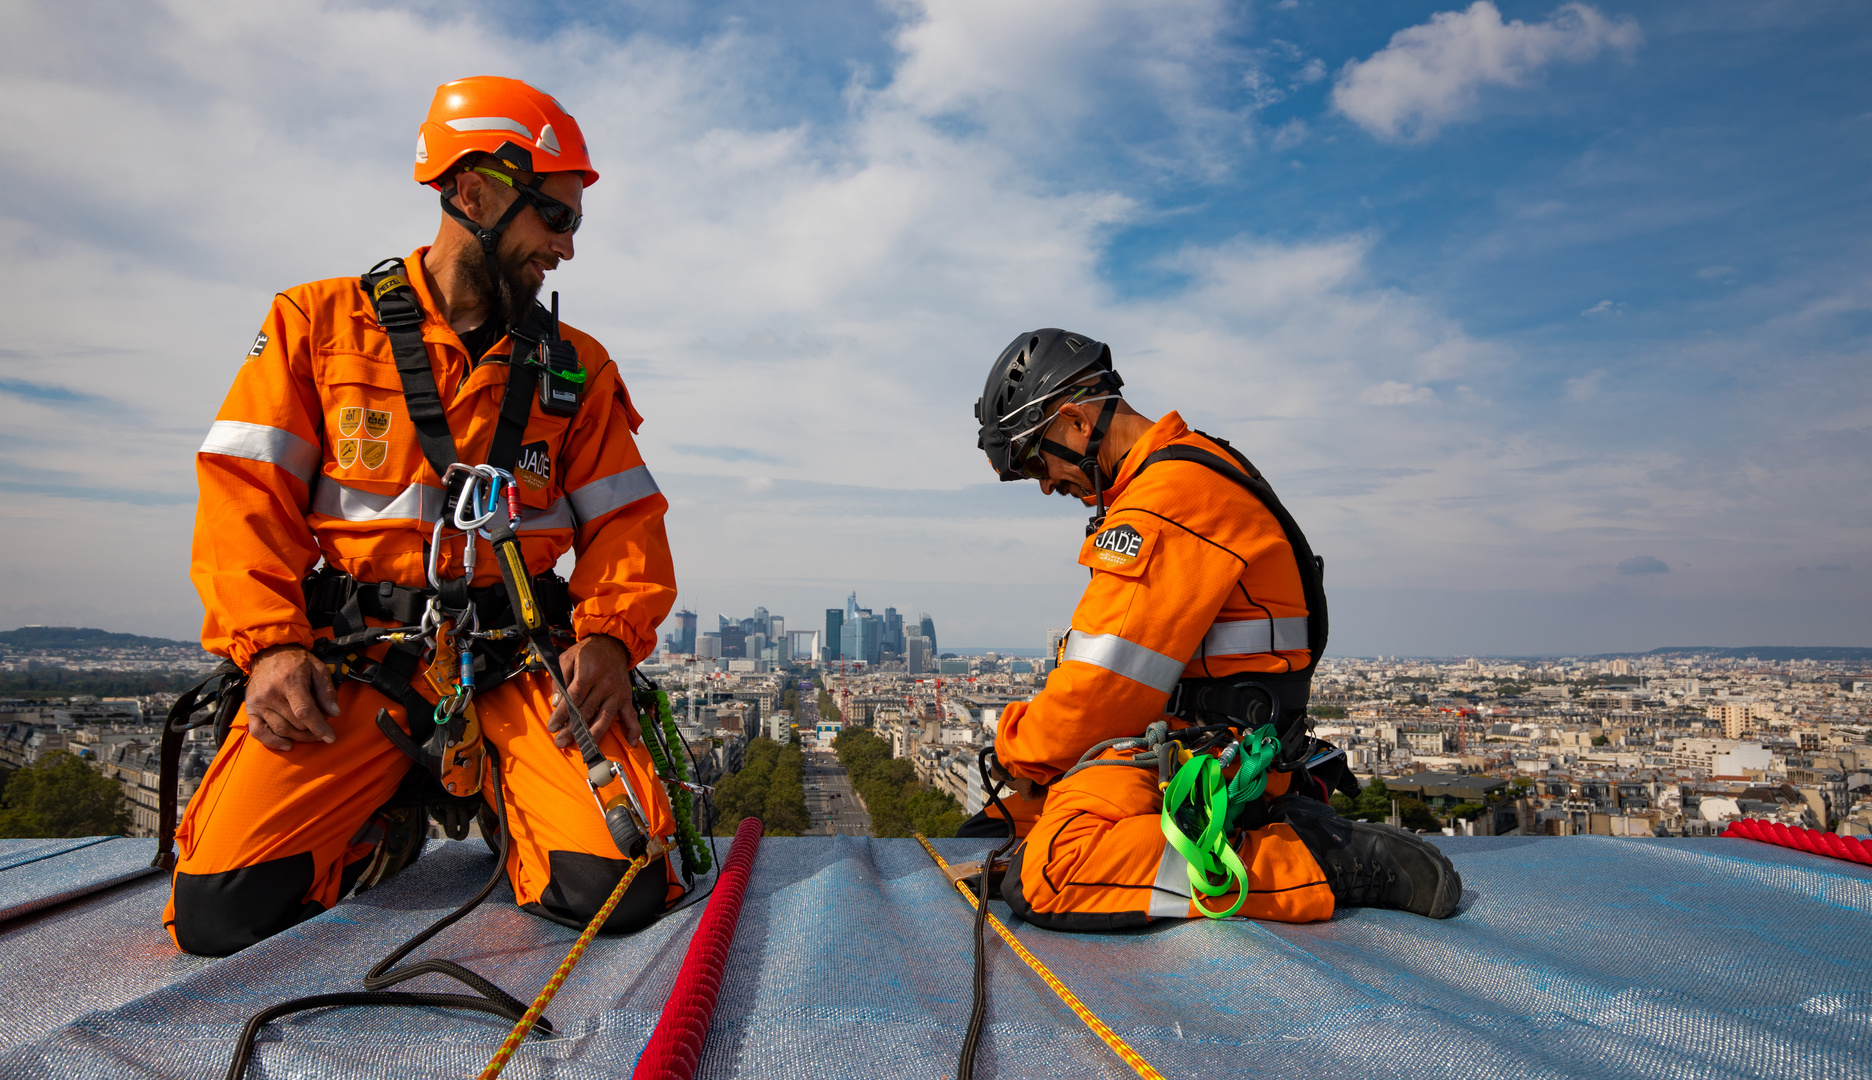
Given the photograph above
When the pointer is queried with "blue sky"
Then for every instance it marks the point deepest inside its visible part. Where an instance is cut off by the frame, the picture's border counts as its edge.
(1550, 323)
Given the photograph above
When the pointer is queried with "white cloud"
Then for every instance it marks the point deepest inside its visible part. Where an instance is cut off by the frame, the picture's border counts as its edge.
(1603, 307)
(1397, 393)
(1432, 75)
(804, 311)
(1585, 387)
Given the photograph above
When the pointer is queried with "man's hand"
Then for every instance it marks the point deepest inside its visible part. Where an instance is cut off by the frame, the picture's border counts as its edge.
(289, 694)
(597, 672)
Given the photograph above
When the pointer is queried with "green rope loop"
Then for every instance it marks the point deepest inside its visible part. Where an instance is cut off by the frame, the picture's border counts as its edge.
(1198, 798)
(682, 803)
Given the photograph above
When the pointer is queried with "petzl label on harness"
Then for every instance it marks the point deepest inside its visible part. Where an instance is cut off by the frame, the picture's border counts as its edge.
(348, 421)
(533, 468)
(1118, 549)
(376, 422)
(347, 453)
(372, 453)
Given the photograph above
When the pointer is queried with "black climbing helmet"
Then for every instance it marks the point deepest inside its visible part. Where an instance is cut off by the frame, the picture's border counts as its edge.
(1036, 368)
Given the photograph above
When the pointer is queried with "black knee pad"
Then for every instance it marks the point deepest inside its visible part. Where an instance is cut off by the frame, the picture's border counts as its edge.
(221, 914)
(580, 884)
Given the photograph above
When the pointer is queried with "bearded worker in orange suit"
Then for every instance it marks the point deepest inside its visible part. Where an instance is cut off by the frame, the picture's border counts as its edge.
(1167, 770)
(374, 417)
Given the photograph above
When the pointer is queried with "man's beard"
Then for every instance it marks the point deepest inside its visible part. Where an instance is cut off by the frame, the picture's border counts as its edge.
(505, 295)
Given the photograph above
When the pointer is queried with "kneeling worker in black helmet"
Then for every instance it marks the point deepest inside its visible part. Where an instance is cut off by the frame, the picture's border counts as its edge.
(1167, 770)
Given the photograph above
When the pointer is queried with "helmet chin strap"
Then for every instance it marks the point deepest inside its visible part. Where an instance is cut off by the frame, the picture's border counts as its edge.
(1089, 460)
(490, 236)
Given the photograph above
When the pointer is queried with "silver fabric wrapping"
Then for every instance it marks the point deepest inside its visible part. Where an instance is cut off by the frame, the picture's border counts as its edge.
(1571, 957)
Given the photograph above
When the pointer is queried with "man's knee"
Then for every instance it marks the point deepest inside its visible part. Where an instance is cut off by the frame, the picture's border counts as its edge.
(220, 914)
(1015, 895)
(580, 884)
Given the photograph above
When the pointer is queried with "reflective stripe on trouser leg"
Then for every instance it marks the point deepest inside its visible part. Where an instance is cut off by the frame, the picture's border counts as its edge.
(1170, 892)
(1098, 851)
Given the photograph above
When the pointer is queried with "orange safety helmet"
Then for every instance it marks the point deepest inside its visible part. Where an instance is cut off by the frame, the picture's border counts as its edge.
(483, 113)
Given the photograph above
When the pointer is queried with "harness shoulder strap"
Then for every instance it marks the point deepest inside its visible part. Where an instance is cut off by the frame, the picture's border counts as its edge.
(397, 311)
(1242, 472)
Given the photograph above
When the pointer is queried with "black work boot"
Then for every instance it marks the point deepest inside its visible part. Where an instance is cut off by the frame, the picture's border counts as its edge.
(400, 834)
(1372, 865)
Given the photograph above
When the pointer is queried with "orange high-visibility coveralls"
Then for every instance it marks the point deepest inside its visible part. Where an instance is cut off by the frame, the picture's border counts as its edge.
(1191, 577)
(313, 455)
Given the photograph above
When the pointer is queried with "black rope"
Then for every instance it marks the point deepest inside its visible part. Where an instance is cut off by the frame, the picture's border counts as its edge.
(978, 1015)
(493, 999)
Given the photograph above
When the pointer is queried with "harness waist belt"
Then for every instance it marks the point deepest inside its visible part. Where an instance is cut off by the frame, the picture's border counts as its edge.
(1256, 636)
(330, 592)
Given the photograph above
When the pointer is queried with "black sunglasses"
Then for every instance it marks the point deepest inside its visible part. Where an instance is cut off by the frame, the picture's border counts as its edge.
(1025, 458)
(558, 217)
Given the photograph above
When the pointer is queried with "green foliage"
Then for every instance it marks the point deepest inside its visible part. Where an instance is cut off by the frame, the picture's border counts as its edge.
(791, 703)
(828, 707)
(1465, 811)
(769, 786)
(1328, 712)
(1414, 814)
(898, 802)
(59, 796)
(1601, 740)
(1372, 804)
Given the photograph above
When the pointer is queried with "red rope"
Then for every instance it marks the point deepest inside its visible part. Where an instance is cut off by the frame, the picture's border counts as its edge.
(675, 1046)
(1829, 844)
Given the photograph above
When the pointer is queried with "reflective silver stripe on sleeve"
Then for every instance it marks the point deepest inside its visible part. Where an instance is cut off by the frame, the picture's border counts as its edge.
(1170, 893)
(556, 516)
(417, 502)
(1127, 658)
(601, 496)
(1255, 636)
(258, 442)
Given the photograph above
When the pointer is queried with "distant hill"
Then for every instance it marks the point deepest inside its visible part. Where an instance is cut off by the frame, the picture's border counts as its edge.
(1772, 652)
(76, 637)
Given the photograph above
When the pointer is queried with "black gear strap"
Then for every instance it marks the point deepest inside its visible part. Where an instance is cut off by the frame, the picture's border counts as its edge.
(398, 312)
(1242, 471)
(220, 702)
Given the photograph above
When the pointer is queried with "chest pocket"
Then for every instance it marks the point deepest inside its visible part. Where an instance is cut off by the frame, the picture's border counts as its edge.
(1123, 549)
(367, 431)
(536, 470)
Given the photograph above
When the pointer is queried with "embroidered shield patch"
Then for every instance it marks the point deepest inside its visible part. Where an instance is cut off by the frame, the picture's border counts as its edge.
(348, 421)
(376, 422)
(347, 452)
(372, 453)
